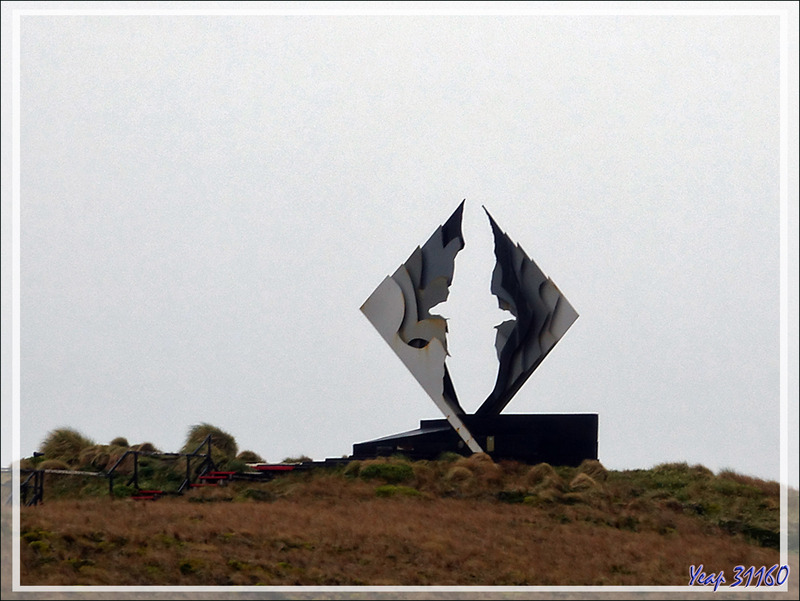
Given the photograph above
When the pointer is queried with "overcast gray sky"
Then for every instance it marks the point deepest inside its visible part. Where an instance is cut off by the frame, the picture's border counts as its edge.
(206, 201)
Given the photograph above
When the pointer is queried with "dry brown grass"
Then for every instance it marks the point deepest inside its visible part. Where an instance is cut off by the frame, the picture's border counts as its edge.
(321, 532)
(767, 487)
(443, 523)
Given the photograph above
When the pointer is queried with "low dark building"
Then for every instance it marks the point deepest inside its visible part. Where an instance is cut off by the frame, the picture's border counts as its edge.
(557, 439)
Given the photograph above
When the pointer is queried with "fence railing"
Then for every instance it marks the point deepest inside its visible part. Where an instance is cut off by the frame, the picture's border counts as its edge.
(33, 485)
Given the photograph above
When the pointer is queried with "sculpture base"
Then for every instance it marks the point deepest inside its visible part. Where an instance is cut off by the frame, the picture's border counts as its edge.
(557, 439)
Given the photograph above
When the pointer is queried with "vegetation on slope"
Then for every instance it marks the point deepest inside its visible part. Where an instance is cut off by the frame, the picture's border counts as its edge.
(455, 521)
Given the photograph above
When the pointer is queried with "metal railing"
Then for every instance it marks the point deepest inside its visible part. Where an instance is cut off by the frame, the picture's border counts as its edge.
(33, 485)
(205, 466)
(38, 488)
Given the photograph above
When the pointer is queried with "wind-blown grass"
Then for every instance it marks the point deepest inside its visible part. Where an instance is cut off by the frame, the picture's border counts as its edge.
(65, 444)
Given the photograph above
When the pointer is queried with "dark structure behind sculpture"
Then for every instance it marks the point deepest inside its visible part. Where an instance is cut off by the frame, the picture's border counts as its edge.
(399, 310)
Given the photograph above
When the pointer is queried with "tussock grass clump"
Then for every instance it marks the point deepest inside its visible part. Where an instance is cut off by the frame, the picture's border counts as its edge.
(693, 472)
(145, 447)
(595, 469)
(585, 489)
(65, 444)
(571, 498)
(53, 464)
(94, 457)
(114, 455)
(542, 474)
(546, 483)
(485, 469)
(459, 474)
(478, 459)
(425, 475)
(540, 485)
(461, 481)
(298, 459)
(223, 442)
(119, 441)
(547, 494)
(250, 457)
(684, 482)
(475, 475)
(584, 482)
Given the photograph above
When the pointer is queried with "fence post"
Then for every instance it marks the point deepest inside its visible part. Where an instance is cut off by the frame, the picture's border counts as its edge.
(40, 489)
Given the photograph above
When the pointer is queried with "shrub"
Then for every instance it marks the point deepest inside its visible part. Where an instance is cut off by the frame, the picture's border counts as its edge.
(119, 441)
(65, 444)
(393, 473)
(220, 440)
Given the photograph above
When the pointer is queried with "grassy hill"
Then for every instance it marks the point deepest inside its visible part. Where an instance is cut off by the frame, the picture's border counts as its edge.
(456, 521)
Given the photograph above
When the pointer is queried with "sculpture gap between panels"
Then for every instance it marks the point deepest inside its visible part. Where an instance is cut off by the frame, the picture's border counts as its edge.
(399, 309)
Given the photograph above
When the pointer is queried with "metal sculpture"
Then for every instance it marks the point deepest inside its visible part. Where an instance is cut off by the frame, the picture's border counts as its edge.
(543, 316)
(399, 309)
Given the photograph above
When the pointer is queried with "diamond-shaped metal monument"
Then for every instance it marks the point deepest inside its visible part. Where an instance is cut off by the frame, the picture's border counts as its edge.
(399, 309)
